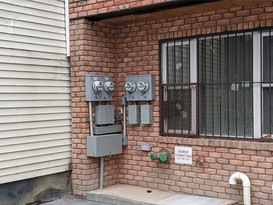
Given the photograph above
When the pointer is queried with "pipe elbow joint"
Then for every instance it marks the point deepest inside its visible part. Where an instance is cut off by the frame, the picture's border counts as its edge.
(245, 180)
(246, 185)
(239, 176)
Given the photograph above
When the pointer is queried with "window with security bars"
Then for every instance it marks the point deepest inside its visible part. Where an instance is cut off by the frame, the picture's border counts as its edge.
(178, 88)
(218, 85)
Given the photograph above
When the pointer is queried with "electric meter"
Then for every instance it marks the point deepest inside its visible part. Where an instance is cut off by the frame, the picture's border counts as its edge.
(98, 86)
(130, 86)
(143, 85)
(140, 88)
(109, 86)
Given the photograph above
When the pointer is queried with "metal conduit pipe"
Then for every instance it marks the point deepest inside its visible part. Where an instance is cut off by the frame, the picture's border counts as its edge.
(246, 185)
(101, 172)
(124, 136)
(92, 134)
(90, 119)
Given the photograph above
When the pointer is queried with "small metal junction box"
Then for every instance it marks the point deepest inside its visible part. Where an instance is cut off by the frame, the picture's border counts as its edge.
(134, 114)
(146, 116)
(104, 114)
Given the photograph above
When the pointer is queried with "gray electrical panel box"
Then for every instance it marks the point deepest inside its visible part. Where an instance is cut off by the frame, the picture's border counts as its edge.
(140, 88)
(104, 115)
(98, 88)
(146, 114)
(133, 114)
(104, 145)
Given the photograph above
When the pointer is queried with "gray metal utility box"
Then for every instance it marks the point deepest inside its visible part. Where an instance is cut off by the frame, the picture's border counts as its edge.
(134, 114)
(146, 116)
(101, 94)
(148, 92)
(104, 114)
(104, 145)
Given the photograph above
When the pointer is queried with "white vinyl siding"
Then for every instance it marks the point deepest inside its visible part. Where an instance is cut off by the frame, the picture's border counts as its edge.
(35, 108)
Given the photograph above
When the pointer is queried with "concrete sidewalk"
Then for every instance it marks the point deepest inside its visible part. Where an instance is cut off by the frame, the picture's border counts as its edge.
(122, 194)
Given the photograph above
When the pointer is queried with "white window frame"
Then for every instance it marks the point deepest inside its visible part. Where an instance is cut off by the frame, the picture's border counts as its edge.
(193, 79)
(262, 85)
(257, 115)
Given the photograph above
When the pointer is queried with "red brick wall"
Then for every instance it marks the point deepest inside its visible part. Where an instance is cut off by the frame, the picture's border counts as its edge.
(134, 49)
(80, 8)
(92, 50)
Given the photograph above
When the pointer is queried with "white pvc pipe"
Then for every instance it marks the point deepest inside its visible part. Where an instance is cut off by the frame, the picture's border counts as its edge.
(246, 185)
(67, 33)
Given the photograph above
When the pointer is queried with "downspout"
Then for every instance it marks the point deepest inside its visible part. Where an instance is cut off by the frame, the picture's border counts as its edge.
(67, 33)
(246, 185)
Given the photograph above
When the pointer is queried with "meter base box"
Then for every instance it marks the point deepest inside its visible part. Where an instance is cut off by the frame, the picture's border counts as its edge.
(138, 95)
(90, 94)
(104, 145)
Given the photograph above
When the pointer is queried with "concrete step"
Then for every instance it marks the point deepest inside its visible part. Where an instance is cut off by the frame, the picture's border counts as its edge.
(122, 194)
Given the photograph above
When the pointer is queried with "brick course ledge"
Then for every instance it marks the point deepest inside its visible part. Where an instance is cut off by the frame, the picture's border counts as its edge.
(240, 144)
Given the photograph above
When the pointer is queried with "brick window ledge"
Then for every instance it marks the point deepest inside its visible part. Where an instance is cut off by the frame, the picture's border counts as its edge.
(239, 144)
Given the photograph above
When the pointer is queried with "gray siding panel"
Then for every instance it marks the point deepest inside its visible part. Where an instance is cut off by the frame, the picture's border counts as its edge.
(35, 100)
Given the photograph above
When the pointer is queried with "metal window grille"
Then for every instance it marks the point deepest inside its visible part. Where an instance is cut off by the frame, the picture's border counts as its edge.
(178, 89)
(231, 96)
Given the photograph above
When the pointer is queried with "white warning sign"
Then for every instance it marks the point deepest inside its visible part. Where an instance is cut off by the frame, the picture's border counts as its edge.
(183, 155)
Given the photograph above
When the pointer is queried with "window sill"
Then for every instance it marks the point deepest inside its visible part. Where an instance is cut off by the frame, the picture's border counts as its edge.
(227, 143)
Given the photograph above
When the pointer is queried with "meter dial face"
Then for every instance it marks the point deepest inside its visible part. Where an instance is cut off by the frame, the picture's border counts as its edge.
(109, 86)
(98, 86)
(130, 86)
(143, 85)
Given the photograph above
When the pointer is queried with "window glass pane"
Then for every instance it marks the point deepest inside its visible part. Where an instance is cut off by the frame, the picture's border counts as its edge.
(267, 59)
(225, 74)
(267, 80)
(176, 91)
(267, 110)
(179, 109)
(170, 62)
(178, 62)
